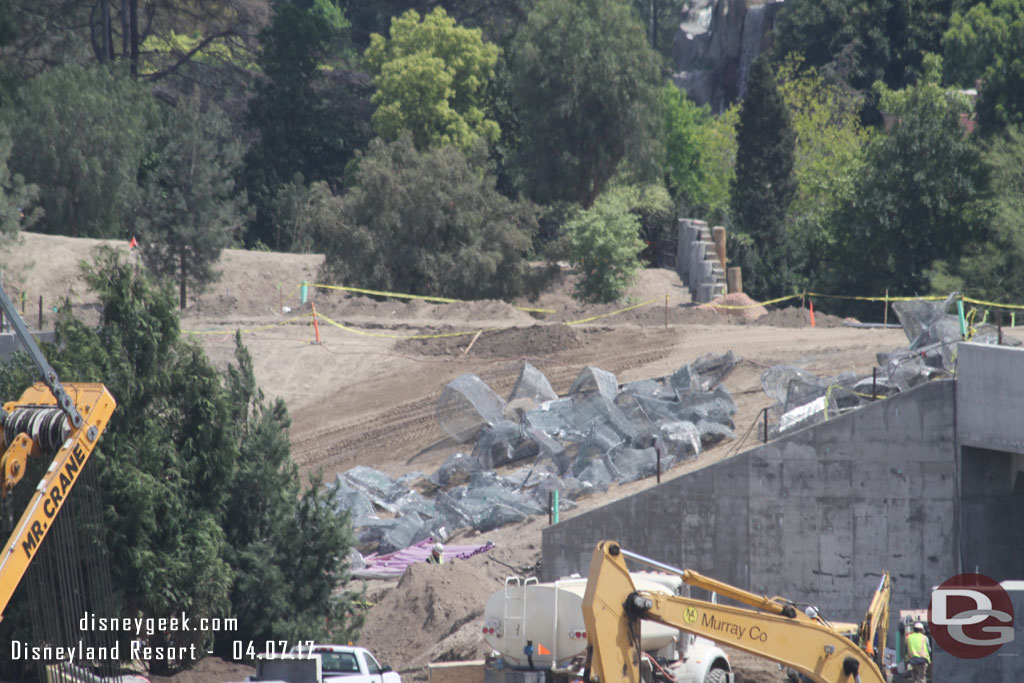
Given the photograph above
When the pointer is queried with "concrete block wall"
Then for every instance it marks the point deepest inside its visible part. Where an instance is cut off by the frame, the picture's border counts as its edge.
(697, 262)
(814, 516)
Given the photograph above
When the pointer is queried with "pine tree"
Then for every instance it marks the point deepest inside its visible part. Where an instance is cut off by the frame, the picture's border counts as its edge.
(764, 186)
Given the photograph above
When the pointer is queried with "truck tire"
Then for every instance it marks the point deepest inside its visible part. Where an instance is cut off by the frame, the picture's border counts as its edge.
(715, 676)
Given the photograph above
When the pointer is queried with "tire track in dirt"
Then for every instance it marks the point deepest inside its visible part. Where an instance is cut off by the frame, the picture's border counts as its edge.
(408, 428)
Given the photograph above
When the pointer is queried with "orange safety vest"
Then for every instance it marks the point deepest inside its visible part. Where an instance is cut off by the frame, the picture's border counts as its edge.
(917, 646)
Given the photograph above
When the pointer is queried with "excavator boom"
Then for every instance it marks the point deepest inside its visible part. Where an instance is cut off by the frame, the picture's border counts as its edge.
(613, 608)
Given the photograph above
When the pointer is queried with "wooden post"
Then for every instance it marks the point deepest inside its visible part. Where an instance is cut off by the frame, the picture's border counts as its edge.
(718, 237)
(658, 452)
(999, 322)
(885, 311)
(551, 505)
(734, 280)
(874, 383)
(40, 328)
(765, 425)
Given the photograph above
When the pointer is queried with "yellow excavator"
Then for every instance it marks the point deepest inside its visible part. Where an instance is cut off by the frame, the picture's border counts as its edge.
(774, 628)
(49, 420)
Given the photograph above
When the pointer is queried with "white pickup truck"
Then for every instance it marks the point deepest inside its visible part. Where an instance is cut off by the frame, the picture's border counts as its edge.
(324, 664)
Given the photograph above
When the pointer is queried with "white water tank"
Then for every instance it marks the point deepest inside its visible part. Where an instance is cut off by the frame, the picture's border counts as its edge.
(551, 616)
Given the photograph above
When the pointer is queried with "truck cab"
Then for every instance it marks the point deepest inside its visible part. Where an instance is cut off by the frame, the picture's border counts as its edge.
(324, 664)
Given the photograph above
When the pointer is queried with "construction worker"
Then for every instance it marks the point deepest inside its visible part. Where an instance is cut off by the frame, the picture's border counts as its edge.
(436, 554)
(919, 654)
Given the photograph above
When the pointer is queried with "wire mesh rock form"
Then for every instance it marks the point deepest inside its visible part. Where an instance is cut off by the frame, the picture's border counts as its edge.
(601, 433)
(803, 399)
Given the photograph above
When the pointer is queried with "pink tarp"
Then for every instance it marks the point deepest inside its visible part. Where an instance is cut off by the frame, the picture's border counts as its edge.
(393, 565)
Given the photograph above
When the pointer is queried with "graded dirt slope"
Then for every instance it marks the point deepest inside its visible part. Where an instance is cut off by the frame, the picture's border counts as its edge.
(366, 395)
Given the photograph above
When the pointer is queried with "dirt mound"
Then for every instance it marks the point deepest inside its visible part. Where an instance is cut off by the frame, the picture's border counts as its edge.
(431, 615)
(745, 307)
(794, 316)
(514, 342)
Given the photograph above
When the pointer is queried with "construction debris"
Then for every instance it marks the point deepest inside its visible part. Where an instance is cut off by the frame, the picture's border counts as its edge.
(803, 399)
(600, 433)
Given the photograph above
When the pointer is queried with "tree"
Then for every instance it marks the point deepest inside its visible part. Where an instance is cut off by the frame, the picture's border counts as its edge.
(605, 245)
(287, 547)
(155, 38)
(989, 265)
(430, 78)
(861, 40)
(427, 223)
(204, 511)
(987, 44)
(700, 154)
(586, 88)
(764, 186)
(309, 120)
(829, 158)
(192, 209)
(918, 200)
(16, 198)
(81, 135)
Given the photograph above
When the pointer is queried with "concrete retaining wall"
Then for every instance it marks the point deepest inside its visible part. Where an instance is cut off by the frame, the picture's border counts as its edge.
(814, 516)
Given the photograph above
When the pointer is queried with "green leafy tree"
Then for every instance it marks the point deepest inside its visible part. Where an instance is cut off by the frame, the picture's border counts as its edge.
(829, 158)
(586, 89)
(80, 135)
(989, 266)
(427, 223)
(431, 76)
(192, 209)
(700, 155)
(17, 198)
(919, 198)
(861, 40)
(605, 245)
(987, 44)
(309, 112)
(764, 186)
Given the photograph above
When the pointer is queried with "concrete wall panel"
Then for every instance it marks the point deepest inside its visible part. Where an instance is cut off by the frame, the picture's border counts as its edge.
(814, 516)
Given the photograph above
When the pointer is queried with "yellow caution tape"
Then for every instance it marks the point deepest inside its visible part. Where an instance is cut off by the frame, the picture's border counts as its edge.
(364, 333)
(396, 295)
(993, 304)
(754, 305)
(606, 315)
(875, 298)
(249, 330)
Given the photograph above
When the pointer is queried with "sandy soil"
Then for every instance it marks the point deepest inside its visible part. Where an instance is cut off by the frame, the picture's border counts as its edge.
(366, 394)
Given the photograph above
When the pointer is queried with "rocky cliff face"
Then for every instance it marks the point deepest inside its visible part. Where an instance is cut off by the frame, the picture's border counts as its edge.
(716, 43)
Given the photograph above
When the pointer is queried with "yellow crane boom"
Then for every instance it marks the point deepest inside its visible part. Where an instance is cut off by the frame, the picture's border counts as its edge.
(48, 419)
(775, 630)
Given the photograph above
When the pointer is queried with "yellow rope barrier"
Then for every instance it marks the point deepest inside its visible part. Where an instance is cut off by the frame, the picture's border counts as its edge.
(421, 297)
(606, 315)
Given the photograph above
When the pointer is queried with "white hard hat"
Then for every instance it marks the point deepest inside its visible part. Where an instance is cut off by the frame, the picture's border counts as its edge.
(919, 626)
(438, 548)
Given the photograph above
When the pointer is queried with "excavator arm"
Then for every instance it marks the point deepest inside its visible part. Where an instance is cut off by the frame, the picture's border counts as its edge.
(48, 420)
(775, 630)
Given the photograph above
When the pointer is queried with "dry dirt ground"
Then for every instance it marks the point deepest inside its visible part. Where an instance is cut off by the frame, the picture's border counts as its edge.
(366, 394)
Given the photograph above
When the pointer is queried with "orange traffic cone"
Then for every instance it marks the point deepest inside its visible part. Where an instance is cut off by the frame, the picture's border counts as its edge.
(133, 244)
(812, 314)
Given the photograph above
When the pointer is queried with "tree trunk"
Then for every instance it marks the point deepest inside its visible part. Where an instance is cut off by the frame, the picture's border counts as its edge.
(125, 42)
(654, 25)
(133, 20)
(106, 35)
(184, 273)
